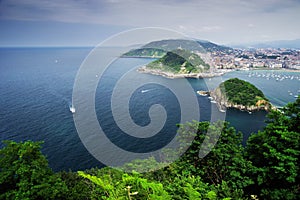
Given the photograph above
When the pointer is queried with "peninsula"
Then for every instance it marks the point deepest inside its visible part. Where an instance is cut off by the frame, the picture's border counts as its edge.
(179, 63)
(239, 94)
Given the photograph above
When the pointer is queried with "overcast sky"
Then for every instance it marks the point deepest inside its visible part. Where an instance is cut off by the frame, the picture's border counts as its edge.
(88, 22)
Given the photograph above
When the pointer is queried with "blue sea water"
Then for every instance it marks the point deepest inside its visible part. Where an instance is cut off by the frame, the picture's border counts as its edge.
(36, 92)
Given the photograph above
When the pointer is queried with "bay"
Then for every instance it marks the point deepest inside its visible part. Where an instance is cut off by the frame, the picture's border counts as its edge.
(36, 92)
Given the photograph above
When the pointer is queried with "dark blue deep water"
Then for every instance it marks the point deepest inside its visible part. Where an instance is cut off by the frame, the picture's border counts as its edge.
(36, 91)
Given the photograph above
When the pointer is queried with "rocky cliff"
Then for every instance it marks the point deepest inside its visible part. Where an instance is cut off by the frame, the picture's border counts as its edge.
(239, 94)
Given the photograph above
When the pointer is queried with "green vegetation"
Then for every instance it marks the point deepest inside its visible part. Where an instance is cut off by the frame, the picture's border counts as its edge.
(24, 173)
(179, 61)
(266, 168)
(146, 52)
(242, 93)
(159, 48)
(275, 153)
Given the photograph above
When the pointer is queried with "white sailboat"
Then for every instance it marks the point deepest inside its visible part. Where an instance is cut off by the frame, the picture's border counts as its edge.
(72, 109)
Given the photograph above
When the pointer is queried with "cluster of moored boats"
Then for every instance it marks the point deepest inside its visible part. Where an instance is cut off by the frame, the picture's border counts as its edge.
(277, 77)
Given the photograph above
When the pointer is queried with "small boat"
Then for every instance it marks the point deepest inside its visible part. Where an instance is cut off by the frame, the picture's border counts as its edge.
(143, 91)
(72, 109)
(213, 101)
(202, 93)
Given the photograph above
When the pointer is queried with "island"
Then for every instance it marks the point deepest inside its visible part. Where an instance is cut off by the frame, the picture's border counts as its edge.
(239, 94)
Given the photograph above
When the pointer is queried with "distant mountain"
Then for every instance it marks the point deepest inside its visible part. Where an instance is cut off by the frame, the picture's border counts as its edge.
(289, 44)
(211, 47)
(160, 48)
(146, 52)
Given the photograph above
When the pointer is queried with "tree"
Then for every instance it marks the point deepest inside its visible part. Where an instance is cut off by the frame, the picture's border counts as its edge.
(275, 152)
(78, 187)
(224, 164)
(24, 173)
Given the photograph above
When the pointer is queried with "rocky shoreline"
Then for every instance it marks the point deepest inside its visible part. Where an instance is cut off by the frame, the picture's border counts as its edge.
(215, 95)
(223, 103)
(171, 75)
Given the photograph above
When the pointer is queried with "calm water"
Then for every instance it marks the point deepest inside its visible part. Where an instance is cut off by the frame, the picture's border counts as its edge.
(36, 91)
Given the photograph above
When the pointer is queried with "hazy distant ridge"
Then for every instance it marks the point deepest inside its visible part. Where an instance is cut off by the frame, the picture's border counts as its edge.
(289, 44)
(159, 48)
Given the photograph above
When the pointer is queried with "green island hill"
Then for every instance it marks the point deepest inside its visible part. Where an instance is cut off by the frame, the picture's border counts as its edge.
(239, 94)
(178, 64)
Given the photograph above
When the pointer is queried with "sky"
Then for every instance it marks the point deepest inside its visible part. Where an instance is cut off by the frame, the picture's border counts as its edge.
(88, 22)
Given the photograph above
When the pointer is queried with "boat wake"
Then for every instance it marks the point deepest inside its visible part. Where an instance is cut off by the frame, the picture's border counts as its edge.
(144, 91)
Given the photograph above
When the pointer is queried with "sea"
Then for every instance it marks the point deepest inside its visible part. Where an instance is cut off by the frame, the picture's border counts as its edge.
(36, 86)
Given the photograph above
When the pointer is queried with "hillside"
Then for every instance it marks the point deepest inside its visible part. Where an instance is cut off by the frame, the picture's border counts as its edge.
(179, 62)
(212, 47)
(159, 48)
(236, 93)
(289, 44)
(146, 52)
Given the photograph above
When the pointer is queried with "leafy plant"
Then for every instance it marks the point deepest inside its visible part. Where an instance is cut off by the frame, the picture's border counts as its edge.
(129, 187)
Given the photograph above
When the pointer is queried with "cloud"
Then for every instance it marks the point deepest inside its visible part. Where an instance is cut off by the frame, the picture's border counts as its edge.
(137, 12)
(251, 25)
(39, 10)
(210, 28)
(198, 18)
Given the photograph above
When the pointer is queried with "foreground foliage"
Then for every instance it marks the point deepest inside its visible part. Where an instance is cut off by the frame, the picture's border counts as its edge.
(275, 154)
(24, 173)
(267, 168)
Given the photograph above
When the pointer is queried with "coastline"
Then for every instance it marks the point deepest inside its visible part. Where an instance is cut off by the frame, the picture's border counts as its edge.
(217, 73)
(223, 103)
(171, 75)
(154, 57)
